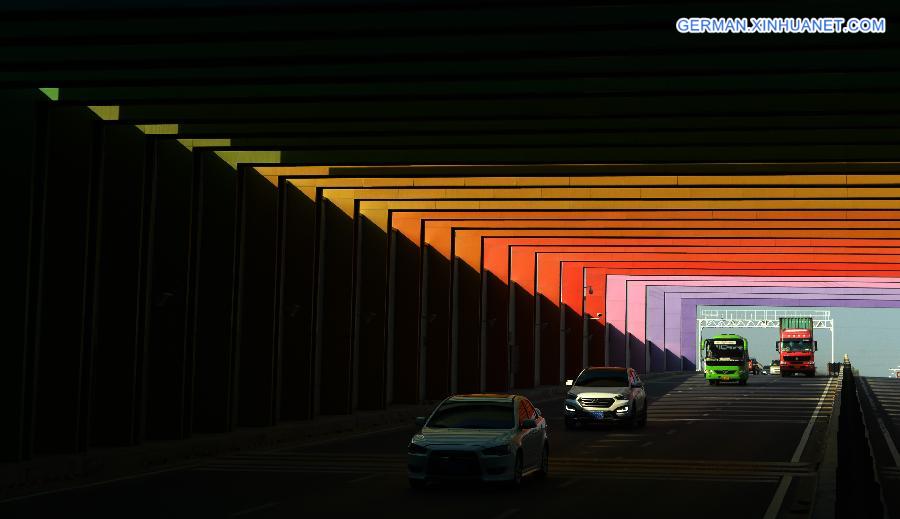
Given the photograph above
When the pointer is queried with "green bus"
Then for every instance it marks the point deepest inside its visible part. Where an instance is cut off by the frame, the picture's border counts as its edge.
(727, 359)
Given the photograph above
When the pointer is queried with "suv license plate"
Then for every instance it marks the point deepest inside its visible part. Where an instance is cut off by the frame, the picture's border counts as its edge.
(597, 414)
(726, 377)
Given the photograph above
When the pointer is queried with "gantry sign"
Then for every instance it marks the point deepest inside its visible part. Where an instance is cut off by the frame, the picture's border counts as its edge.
(751, 318)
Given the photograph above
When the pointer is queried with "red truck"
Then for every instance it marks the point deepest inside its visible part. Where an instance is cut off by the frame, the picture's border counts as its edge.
(797, 349)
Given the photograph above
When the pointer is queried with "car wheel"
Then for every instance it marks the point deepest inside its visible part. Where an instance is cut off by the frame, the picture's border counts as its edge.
(545, 462)
(571, 424)
(417, 484)
(711, 382)
(644, 415)
(516, 480)
(743, 382)
(784, 374)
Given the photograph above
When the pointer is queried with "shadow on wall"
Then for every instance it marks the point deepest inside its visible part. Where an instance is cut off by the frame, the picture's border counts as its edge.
(403, 325)
(435, 322)
(616, 346)
(496, 343)
(523, 368)
(467, 321)
(673, 361)
(596, 343)
(369, 340)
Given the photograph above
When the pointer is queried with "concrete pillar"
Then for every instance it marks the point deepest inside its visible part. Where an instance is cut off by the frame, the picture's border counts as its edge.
(63, 264)
(212, 301)
(495, 300)
(403, 319)
(467, 326)
(370, 282)
(297, 226)
(333, 310)
(436, 322)
(255, 362)
(24, 118)
(168, 366)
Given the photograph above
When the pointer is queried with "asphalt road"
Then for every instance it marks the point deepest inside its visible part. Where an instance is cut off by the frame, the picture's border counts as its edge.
(735, 451)
(880, 400)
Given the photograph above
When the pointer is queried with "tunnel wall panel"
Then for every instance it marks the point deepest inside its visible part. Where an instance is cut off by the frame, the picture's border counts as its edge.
(21, 129)
(169, 352)
(65, 266)
(117, 359)
(212, 297)
(255, 359)
(298, 237)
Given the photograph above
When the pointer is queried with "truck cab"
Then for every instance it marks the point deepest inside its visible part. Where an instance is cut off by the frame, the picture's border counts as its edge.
(797, 347)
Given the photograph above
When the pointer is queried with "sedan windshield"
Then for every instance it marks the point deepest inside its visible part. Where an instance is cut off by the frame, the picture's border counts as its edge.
(473, 415)
(602, 379)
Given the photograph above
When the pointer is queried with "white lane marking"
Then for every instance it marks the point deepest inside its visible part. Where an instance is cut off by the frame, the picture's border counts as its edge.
(884, 430)
(812, 421)
(778, 498)
(364, 478)
(259, 508)
(509, 513)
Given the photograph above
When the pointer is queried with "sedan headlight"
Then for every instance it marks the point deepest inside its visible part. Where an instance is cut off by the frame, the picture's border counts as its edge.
(499, 450)
(571, 396)
(414, 448)
(623, 396)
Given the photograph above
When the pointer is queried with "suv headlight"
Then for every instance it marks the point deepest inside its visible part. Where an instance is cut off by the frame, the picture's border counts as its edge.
(623, 396)
(499, 450)
(571, 396)
(414, 448)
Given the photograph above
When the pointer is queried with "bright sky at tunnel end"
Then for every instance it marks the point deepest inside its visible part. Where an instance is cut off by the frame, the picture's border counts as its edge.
(870, 336)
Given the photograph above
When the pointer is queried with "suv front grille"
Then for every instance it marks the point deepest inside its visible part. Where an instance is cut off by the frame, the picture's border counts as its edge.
(453, 463)
(596, 402)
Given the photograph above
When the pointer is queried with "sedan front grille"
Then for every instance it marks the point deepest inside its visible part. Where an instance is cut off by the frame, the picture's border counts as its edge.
(453, 463)
(596, 402)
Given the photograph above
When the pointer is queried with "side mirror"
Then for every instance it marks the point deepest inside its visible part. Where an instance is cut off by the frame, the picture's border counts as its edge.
(420, 421)
(528, 424)
(569, 383)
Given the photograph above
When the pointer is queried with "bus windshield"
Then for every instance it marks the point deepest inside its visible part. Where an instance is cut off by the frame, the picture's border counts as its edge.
(724, 348)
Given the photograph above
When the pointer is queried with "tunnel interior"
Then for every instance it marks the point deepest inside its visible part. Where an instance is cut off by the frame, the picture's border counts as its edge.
(291, 213)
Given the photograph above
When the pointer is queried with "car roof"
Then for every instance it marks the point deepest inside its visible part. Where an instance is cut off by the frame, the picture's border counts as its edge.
(606, 368)
(484, 397)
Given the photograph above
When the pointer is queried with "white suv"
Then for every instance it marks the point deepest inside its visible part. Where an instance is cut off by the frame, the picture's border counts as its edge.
(603, 395)
(485, 437)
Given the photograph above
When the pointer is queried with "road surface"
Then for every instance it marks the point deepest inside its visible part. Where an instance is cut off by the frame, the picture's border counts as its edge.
(736, 451)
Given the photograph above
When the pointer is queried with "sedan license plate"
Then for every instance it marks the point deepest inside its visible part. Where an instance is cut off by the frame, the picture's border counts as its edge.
(726, 377)
(597, 414)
